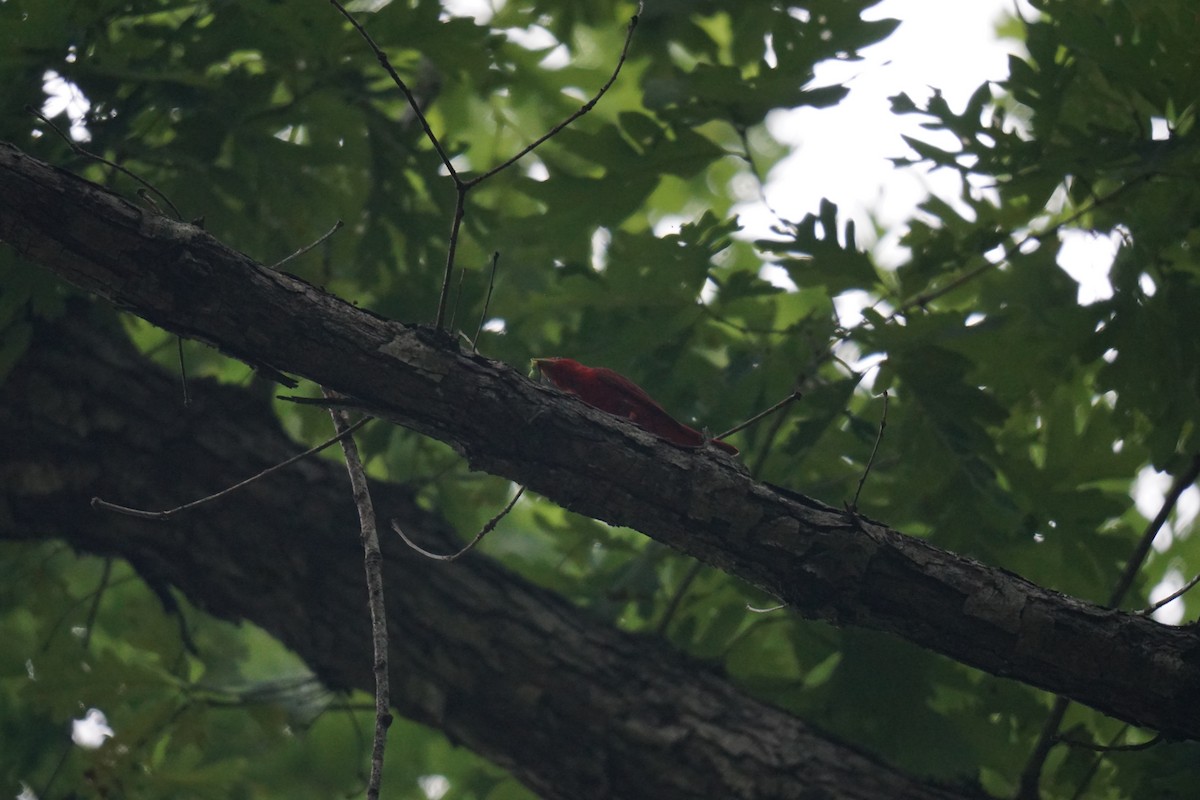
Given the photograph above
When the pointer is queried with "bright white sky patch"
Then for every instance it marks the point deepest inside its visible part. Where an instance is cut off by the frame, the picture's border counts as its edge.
(434, 787)
(91, 731)
(1088, 258)
(62, 95)
(841, 153)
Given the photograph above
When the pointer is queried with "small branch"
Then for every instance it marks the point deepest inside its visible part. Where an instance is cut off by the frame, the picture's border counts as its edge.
(768, 610)
(926, 297)
(95, 157)
(164, 515)
(871, 461)
(487, 302)
(90, 623)
(337, 226)
(373, 563)
(444, 295)
(1187, 587)
(1031, 775)
(677, 597)
(187, 397)
(791, 398)
(488, 528)
(1182, 482)
(346, 404)
(412, 99)
(585, 108)
(462, 275)
(1111, 748)
(463, 186)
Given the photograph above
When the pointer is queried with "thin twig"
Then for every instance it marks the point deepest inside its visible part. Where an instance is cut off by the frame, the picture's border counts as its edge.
(1182, 482)
(1031, 775)
(1112, 748)
(451, 249)
(163, 515)
(488, 528)
(677, 597)
(926, 297)
(337, 226)
(755, 610)
(791, 398)
(346, 404)
(1187, 587)
(187, 397)
(874, 450)
(585, 108)
(90, 623)
(462, 275)
(464, 186)
(76, 147)
(373, 564)
(487, 302)
(412, 99)
(1090, 774)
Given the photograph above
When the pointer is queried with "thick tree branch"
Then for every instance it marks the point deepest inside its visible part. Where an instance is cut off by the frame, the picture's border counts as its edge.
(823, 562)
(574, 708)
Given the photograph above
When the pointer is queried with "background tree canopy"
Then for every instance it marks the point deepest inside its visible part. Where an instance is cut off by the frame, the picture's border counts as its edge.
(1017, 419)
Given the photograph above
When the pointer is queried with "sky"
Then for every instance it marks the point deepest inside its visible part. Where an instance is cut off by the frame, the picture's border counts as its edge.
(948, 44)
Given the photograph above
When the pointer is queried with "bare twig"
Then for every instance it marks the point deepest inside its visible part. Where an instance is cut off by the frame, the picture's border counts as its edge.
(1101, 751)
(926, 297)
(1187, 587)
(451, 250)
(487, 302)
(95, 609)
(1180, 485)
(163, 515)
(412, 99)
(677, 597)
(187, 397)
(1112, 748)
(585, 108)
(373, 563)
(768, 610)
(337, 227)
(488, 528)
(463, 186)
(95, 157)
(874, 451)
(791, 398)
(1031, 775)
(462, 274)
(344, 403)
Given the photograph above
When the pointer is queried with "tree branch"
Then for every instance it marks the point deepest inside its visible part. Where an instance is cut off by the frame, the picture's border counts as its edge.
(601, 713)
(822, 563)
(373, 570)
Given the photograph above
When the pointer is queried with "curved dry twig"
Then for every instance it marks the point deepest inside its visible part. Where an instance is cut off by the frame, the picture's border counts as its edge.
(165, 515)
(488, 528)
(1187, 587)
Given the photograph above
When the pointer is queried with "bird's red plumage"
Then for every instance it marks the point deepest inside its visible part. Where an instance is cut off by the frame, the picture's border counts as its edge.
(613, 393)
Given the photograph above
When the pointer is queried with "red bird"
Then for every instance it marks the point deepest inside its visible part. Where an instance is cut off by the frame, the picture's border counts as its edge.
(612, 392)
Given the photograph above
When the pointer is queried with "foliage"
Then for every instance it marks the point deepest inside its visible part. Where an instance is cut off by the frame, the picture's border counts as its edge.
(1017, 420)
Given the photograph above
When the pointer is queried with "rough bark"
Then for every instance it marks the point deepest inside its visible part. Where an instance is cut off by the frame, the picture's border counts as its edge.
(574, 708)
(821, 561)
